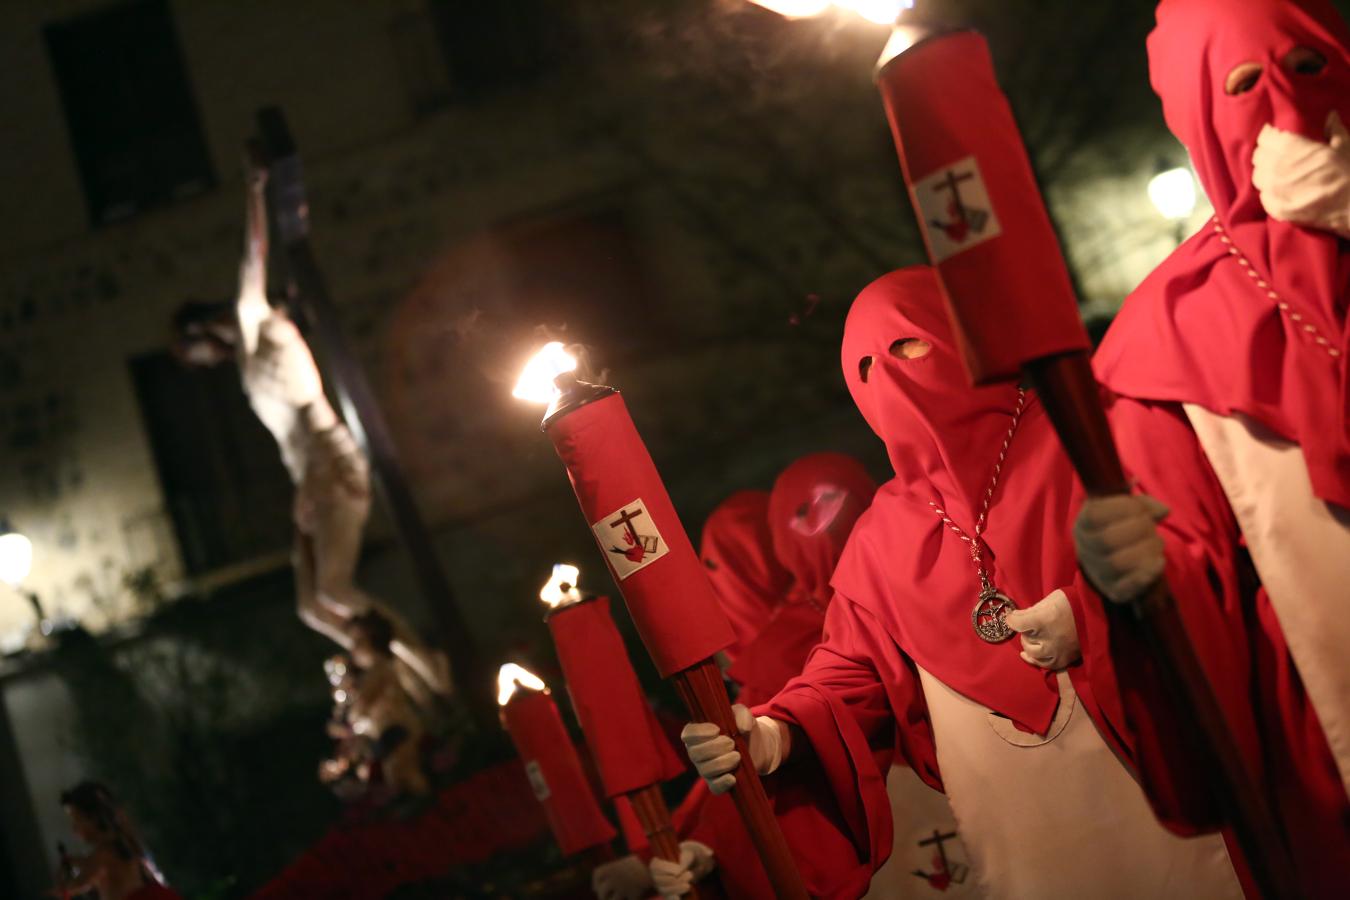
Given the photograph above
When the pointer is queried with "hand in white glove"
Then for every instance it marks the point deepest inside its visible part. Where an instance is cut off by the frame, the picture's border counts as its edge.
(673, 879)
(623, 879)
(1118, 543)
(714, 754)
(1049, 636)
(1303, 181)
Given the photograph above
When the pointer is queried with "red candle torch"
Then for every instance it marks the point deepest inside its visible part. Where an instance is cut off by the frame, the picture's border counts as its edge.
(626, 742)
(530, 716)
(977, 202)
(658, 573)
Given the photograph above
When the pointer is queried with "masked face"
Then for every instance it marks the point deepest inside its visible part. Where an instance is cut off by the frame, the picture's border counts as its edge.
(812, 510)
(1226, 70)
(903, 369)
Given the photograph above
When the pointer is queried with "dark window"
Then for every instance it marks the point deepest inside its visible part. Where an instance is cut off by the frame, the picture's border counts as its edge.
(498, 44)
(421, 63)
(221, 472)
(129, 108)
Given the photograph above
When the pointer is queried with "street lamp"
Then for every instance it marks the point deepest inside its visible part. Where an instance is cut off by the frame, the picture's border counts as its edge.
(16, 555)
(1172, 192)
(16, 560)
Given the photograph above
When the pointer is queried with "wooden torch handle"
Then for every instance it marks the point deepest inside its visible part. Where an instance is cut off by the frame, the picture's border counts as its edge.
(703, 691)
(1069, 392)
(651, 811)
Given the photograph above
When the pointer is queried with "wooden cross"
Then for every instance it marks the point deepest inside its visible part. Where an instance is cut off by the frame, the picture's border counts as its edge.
(625, 520)
(952, 182)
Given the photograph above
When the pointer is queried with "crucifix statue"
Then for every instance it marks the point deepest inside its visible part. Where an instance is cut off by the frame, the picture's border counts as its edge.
(330, 473)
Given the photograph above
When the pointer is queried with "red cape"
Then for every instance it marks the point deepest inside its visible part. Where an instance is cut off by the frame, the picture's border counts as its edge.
(1233, 627)
(1249, 315)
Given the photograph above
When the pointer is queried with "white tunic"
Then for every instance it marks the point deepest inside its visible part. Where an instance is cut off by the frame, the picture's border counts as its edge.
(1060, 815)
(919, 866)
(1301, 548)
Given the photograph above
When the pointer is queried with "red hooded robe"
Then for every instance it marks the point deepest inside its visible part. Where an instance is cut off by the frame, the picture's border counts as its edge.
(805, 523)
(906, 586)
(1266, 339)
(737, 552)
(812, 510)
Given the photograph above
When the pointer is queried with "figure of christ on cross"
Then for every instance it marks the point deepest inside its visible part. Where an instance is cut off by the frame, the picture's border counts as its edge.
(330, 472)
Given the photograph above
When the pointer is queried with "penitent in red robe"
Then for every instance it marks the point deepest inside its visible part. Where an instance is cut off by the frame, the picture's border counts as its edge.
(736, 549)
(807, 519)
(1246, 324)
(905, 588)
(812, 509)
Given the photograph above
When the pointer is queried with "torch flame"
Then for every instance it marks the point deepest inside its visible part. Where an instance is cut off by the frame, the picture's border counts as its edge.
(535, 384)
(879, 12)
(512, 676)
(794, 9)
(562, 587)
(902, 38)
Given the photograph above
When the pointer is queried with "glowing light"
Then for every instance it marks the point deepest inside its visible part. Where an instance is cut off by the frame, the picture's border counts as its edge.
(902, 38)
(16, 557)
(880, 12)
(511, 677)
(535, 384)
(794, 9)
(1173, 193)
(562, 586)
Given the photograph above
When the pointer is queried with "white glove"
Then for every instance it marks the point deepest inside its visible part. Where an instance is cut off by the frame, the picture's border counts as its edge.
(1118, 543)
(1303, 181)
(623, 879)
(1049, 636)
(714, 754)
(674, 879)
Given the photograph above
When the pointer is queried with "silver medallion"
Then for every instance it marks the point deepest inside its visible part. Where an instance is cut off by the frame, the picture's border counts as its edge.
(989, 615)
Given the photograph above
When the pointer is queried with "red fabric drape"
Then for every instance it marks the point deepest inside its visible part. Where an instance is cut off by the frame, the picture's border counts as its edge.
(491, 812)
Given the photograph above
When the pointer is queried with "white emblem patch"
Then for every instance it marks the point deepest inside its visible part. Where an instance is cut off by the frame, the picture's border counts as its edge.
(536, 776)
(954, 209)
(629, 539)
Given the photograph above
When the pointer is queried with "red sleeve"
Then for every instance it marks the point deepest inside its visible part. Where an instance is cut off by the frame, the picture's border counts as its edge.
(1164, 459)
(831, 795)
